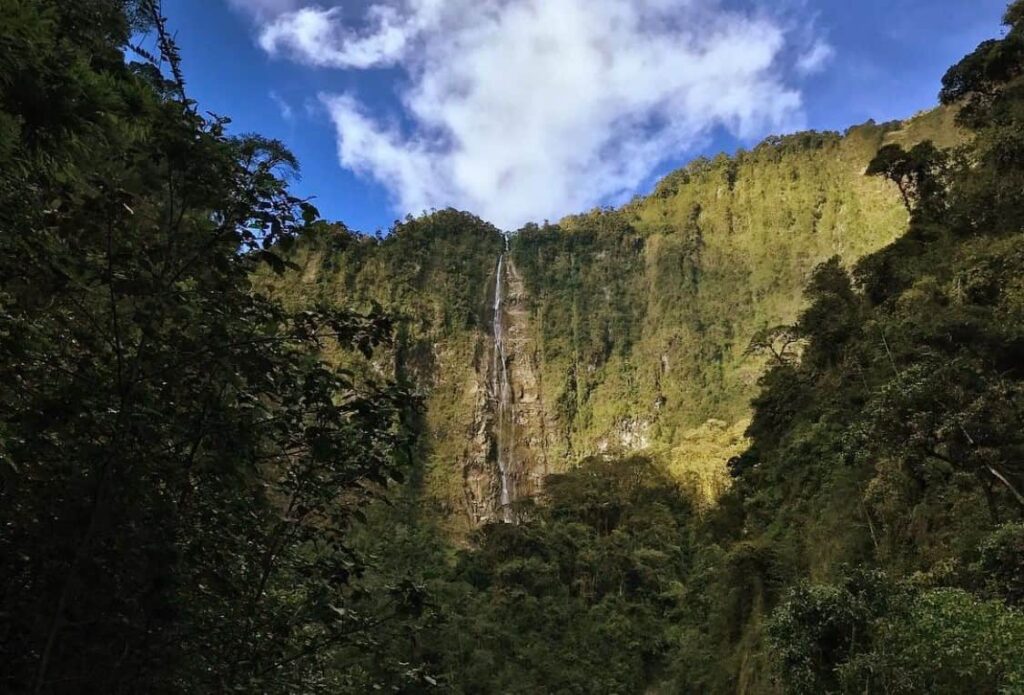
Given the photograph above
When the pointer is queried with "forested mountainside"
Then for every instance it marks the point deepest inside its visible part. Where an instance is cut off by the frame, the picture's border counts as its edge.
(758, 432)
(629, 328)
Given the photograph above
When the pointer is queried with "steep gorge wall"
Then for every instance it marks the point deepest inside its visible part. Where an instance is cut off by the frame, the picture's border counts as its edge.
(489, 431)
(529, 439)
(435, 275)
(641, 317)
(623, 330)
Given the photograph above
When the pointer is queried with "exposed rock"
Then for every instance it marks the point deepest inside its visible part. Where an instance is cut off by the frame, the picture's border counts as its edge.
(525, 440)
(481, 487)
(629, 435)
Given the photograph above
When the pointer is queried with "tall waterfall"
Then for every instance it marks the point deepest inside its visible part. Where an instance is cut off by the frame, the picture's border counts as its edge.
(504, 417)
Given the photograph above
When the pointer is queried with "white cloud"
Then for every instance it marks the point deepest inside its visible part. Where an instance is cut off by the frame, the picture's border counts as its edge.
(530, 109)
(266, 8)
(319, 37)
(405, 167)
(286, 110)
(816, 58)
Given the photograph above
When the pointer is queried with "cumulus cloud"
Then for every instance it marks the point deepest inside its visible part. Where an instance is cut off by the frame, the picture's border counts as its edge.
(319, 36)
(519, 110)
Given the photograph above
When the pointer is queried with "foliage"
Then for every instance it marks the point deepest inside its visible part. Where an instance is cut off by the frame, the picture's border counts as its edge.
(208, 393)
(1001, 564)
(581, 598)
(894, 442)
(179, 470)
(870, 634)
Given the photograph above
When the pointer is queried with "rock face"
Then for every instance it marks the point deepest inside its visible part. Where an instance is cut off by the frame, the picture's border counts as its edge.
(531, 426)
(629, 434)
(481, 487)
(506, 458)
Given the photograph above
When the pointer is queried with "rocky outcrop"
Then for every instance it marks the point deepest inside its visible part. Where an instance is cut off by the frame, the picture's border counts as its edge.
(506, 455)
(481, 487)
(628, 435)
(532, 427)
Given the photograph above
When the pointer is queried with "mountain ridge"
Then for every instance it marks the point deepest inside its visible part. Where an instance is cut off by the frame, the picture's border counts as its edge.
(761, 431)
(614, 342)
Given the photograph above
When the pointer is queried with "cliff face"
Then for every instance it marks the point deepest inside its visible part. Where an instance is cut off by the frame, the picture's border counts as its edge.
(505, 458)
(641, 318)
(529, 439)
(435, 275)
(615, 331)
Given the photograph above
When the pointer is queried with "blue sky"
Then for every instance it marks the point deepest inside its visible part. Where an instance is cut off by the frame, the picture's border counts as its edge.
(529, 109)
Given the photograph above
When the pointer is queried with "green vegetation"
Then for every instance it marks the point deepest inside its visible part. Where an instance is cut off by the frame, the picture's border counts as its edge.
(178, 468)
(643, 316)
(576, 599)
(434, 277)
(885, 461)
(243, 449)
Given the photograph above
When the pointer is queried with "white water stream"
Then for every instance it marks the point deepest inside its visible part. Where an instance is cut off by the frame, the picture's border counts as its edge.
(502, 392)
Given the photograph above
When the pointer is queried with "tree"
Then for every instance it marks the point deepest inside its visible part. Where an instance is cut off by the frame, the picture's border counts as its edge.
(782, 343)
(918, 174)
(1002, 563)
(179, 469)
(976, 80)
(833, 316)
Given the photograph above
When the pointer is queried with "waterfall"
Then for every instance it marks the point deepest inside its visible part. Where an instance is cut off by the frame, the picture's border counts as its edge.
(504, 418)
